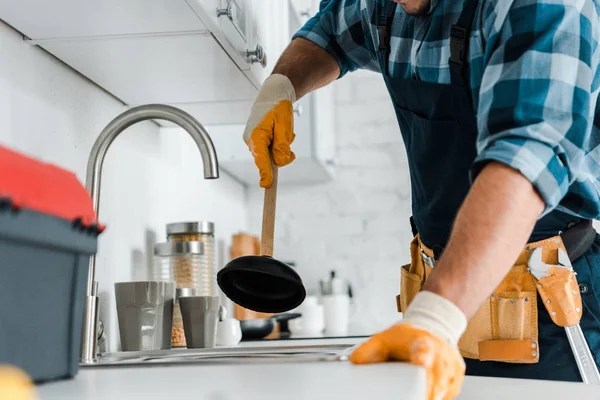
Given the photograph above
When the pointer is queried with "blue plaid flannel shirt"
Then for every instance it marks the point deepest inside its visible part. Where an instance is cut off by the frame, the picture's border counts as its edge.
(534, 78)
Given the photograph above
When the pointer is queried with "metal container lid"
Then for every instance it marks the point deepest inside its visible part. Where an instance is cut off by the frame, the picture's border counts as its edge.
(177, 228)
(184, 292)
(178, 248)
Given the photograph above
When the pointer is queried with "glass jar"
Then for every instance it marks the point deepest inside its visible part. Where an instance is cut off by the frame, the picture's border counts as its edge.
(203, 232)
(177, 332)
(178, 262)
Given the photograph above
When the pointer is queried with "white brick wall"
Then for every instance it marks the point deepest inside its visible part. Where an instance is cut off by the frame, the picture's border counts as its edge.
(358, 223)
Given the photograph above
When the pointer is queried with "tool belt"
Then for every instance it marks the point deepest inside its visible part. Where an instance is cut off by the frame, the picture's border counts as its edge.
(505, 327)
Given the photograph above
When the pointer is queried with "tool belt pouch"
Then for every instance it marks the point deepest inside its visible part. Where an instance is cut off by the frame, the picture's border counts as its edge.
(412, 276)
(560, 293)
(505, 327)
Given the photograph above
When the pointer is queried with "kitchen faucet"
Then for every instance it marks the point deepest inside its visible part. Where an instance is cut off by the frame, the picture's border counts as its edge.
(93, 182)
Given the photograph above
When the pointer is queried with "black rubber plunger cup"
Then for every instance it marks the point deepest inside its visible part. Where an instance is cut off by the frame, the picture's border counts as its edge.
(261, 283)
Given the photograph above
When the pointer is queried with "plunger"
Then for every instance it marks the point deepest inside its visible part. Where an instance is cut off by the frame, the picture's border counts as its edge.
(262, 283)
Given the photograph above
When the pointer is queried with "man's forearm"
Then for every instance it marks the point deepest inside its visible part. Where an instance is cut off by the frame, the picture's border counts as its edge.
(490, 231)
(307, 66)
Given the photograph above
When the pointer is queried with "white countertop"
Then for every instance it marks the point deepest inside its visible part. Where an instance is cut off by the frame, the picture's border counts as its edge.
(293, 381)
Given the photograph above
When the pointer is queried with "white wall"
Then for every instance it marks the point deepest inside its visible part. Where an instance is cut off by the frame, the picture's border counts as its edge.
(151, 177)
(359, 223)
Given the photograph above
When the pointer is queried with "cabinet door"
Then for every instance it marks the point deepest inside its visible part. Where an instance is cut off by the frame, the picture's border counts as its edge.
(269, 35)
(304, 143)
(207, 11)
(234, 24)
(229, 23)
(157, 69)
(324, 126)
(44, 19)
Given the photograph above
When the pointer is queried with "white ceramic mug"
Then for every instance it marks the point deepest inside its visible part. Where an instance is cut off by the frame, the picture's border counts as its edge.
(312, 320)
(337, 314)
(229, 332)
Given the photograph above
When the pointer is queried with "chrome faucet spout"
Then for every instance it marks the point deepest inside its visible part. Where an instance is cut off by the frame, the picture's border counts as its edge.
(94, 180)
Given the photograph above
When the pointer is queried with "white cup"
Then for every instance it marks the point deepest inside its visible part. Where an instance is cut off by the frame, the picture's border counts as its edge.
(337, 314)
(229, 332)
(312, 320)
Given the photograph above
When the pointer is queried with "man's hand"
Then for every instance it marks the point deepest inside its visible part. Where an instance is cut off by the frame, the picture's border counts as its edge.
(490, 230)
(426, 337)
(271, 126)
(302, 68)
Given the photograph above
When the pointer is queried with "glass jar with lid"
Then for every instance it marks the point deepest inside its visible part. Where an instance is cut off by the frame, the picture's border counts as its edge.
(203, 232)
(179, 262)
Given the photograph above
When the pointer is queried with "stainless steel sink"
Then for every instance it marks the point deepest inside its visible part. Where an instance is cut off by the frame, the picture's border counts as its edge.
(236, 355)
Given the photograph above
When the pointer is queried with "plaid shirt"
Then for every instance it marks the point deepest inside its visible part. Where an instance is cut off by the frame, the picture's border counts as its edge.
(533, 72)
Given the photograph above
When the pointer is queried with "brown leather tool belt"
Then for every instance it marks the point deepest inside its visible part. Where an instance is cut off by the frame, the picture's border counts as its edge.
(505, 327)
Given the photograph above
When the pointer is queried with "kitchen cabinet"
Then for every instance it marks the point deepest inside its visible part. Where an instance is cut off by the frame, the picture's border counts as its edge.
(167, 69)
(233, 25)
(194, 54)
(271, 27)
(62, 19)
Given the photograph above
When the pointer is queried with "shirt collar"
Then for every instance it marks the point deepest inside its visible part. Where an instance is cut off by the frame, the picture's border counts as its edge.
(432, 5)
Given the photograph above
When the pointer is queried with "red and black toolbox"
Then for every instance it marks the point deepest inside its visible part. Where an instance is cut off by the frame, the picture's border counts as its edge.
(48, 231)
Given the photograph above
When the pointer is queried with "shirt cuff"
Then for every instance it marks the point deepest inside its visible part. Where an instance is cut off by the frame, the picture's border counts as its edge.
(328, 44)
(536, 161)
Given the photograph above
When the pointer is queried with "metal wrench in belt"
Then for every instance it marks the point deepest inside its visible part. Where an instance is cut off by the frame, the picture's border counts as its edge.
(581, 351)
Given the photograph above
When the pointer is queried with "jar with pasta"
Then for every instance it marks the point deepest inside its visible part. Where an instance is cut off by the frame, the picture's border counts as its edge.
(178, 262)
(203, 232)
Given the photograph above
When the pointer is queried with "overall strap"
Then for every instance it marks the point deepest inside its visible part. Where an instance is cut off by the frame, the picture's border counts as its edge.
(459, 45)
(383, 16)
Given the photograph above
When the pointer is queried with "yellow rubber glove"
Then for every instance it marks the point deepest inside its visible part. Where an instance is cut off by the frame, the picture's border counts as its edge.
(427, 337)
(271, 125)
(15, 384)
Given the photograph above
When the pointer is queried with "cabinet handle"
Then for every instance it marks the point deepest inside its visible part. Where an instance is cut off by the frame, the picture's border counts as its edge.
(298, 110)
(257, 56)
(227, 11)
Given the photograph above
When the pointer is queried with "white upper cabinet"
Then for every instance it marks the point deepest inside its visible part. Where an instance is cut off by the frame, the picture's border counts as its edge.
(181, 52)
(171, 69)
(143, 51)
(55, 19)
(229, 21)
(270, 32)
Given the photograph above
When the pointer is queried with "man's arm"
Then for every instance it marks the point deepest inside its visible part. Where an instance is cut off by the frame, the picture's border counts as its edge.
(322, 51)
(307, 66)
(489, 232)
(537, 94)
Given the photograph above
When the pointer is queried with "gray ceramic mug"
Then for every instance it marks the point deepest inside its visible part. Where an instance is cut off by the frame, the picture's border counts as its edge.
(200, 315)
(145, 313)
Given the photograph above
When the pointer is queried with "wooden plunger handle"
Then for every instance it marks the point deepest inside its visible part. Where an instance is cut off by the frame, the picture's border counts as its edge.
(268, 223)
